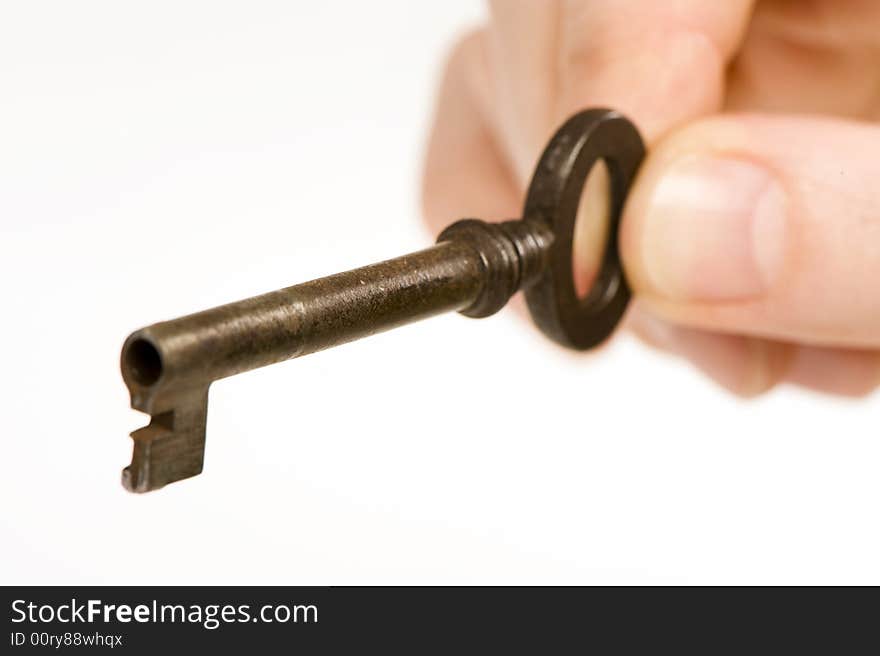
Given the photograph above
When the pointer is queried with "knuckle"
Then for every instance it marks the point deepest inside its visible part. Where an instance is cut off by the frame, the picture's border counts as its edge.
(632, 73)
(867, 384)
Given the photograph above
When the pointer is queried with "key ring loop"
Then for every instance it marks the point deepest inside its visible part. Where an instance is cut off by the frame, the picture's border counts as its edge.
(553, 199)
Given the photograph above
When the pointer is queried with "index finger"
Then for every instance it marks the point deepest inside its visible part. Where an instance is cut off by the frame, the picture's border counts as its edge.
(659, 63)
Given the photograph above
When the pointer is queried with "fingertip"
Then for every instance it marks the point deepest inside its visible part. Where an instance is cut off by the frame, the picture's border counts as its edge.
(630, 232)
(744, 366)
(845, 372)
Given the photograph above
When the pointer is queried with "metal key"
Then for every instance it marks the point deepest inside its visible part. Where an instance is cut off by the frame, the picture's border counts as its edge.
(474, 269)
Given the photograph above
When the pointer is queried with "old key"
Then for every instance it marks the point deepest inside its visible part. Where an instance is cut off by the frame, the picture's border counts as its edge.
(474, 269)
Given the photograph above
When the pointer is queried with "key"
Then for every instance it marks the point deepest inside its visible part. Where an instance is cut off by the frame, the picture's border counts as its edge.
(474, 269)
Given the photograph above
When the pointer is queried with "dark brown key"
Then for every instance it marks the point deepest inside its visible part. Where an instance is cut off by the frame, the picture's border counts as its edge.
(474, 269)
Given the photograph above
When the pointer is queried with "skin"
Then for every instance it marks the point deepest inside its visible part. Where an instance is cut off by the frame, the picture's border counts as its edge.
(752, 234)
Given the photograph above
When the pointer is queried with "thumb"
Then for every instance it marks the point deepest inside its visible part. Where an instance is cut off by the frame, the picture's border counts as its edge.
(759, 225)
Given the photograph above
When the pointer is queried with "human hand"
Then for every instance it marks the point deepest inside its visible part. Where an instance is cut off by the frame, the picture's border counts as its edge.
(752, 235)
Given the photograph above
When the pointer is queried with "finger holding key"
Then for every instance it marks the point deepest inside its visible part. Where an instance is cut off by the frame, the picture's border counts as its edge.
(658, 63)
(763, 226)
(662, 64)
(507, 86)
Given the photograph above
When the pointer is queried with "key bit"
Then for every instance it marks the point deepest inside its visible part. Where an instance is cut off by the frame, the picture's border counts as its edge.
(474, 269)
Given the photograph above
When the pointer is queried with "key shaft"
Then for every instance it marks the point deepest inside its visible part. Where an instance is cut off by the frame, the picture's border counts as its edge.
(168, 366)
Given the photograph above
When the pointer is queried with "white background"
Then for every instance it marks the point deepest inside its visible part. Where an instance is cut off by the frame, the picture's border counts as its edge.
(162, 157)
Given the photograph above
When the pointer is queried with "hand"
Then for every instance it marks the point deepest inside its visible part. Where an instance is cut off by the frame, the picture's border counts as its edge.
(752, 235)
